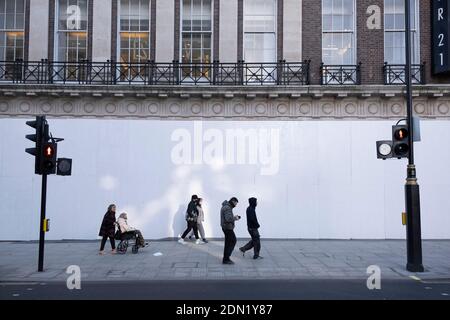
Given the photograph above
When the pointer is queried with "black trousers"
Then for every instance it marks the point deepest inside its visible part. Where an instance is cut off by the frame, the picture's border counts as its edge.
(191, 225)
(255, 243)
(230, 242)
(111, 240)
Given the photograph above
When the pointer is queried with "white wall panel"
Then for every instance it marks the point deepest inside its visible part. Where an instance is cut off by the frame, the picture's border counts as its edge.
(329, 183)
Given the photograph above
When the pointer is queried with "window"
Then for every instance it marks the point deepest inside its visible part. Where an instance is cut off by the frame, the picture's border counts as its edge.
(394, 29)
(338, 38)
(12, 26)
(134, 44)
(260, 31)
(196, 35)
(134, 31)
(71, 32)
(196, 31)
(338, 42)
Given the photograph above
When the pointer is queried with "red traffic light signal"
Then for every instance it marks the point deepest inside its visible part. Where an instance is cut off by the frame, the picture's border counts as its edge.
(401, 134)
(49, 153)
(400, 141)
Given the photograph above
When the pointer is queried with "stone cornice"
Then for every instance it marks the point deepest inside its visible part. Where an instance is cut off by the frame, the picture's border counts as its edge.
(210, 92)
(218, 103)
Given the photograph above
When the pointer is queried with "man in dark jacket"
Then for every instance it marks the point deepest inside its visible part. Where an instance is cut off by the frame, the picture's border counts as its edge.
(253, 226)
(191, 219)
(227, 219)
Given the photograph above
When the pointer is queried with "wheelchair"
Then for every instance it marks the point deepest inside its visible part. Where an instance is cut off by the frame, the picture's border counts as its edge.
(126, 239)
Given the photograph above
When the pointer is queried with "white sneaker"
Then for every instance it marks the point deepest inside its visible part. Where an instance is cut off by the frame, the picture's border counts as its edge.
(181, 241)
(198, 241)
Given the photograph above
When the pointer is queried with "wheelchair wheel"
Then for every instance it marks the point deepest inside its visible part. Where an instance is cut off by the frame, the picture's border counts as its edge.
(135, 249)
(122, 247)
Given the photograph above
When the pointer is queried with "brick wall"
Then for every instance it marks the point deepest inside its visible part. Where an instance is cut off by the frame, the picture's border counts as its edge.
(51, 29)
(240, 30)
(114, 10)
(312, 37)
(152, 30)
(370, 44)
(26, 40)
(216, 26)
(280, 25)
(177, 30)
(90, 29)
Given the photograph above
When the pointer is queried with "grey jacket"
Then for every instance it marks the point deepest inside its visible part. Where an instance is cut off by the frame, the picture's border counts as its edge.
(227, 217)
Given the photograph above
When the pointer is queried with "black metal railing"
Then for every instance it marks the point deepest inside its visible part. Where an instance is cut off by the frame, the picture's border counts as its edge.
(340, 74)
(152, 73)
(396, 73)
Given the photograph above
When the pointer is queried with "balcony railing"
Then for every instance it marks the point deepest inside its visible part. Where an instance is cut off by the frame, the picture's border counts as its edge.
(340, 74)
(151, 73)
(396, 73)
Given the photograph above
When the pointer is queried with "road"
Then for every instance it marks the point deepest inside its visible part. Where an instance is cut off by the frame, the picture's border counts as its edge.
(230, 290)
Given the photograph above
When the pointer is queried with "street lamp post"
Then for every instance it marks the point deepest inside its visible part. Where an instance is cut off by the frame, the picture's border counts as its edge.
(412, 193)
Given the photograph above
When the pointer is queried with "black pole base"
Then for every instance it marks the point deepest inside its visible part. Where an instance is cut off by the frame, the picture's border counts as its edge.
(415, 267)
(413, 228)
(41, 224)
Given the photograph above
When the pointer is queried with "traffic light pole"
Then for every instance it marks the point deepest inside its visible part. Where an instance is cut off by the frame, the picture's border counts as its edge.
(41, 231)
(412, 192)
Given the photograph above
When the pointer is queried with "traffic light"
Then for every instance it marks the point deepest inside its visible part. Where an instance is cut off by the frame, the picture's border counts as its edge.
(37, 138)
(400, 141)
(48, 162)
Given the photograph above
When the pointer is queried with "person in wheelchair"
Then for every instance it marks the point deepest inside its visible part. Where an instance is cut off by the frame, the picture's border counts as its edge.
(128, 232)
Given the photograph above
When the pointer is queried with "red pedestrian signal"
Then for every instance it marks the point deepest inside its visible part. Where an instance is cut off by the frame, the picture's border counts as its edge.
(401, 134)
(49, 152)
(400, 141)
(49, 158)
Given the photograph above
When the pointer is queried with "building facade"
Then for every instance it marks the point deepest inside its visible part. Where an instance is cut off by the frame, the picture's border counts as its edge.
(149, 94)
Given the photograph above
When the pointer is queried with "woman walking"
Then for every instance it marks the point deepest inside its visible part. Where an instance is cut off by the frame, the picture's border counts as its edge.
(200, 219)
(107, 229)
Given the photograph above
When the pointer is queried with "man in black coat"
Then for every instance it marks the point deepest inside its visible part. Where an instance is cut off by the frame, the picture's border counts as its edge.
(227, 219)
(191, 219)
(253, 226)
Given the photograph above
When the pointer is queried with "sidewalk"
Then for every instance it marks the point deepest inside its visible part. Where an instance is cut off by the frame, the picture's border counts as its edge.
(283, 259)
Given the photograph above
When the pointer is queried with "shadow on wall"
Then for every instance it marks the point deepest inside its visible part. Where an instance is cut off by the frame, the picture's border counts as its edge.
(179, 221)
